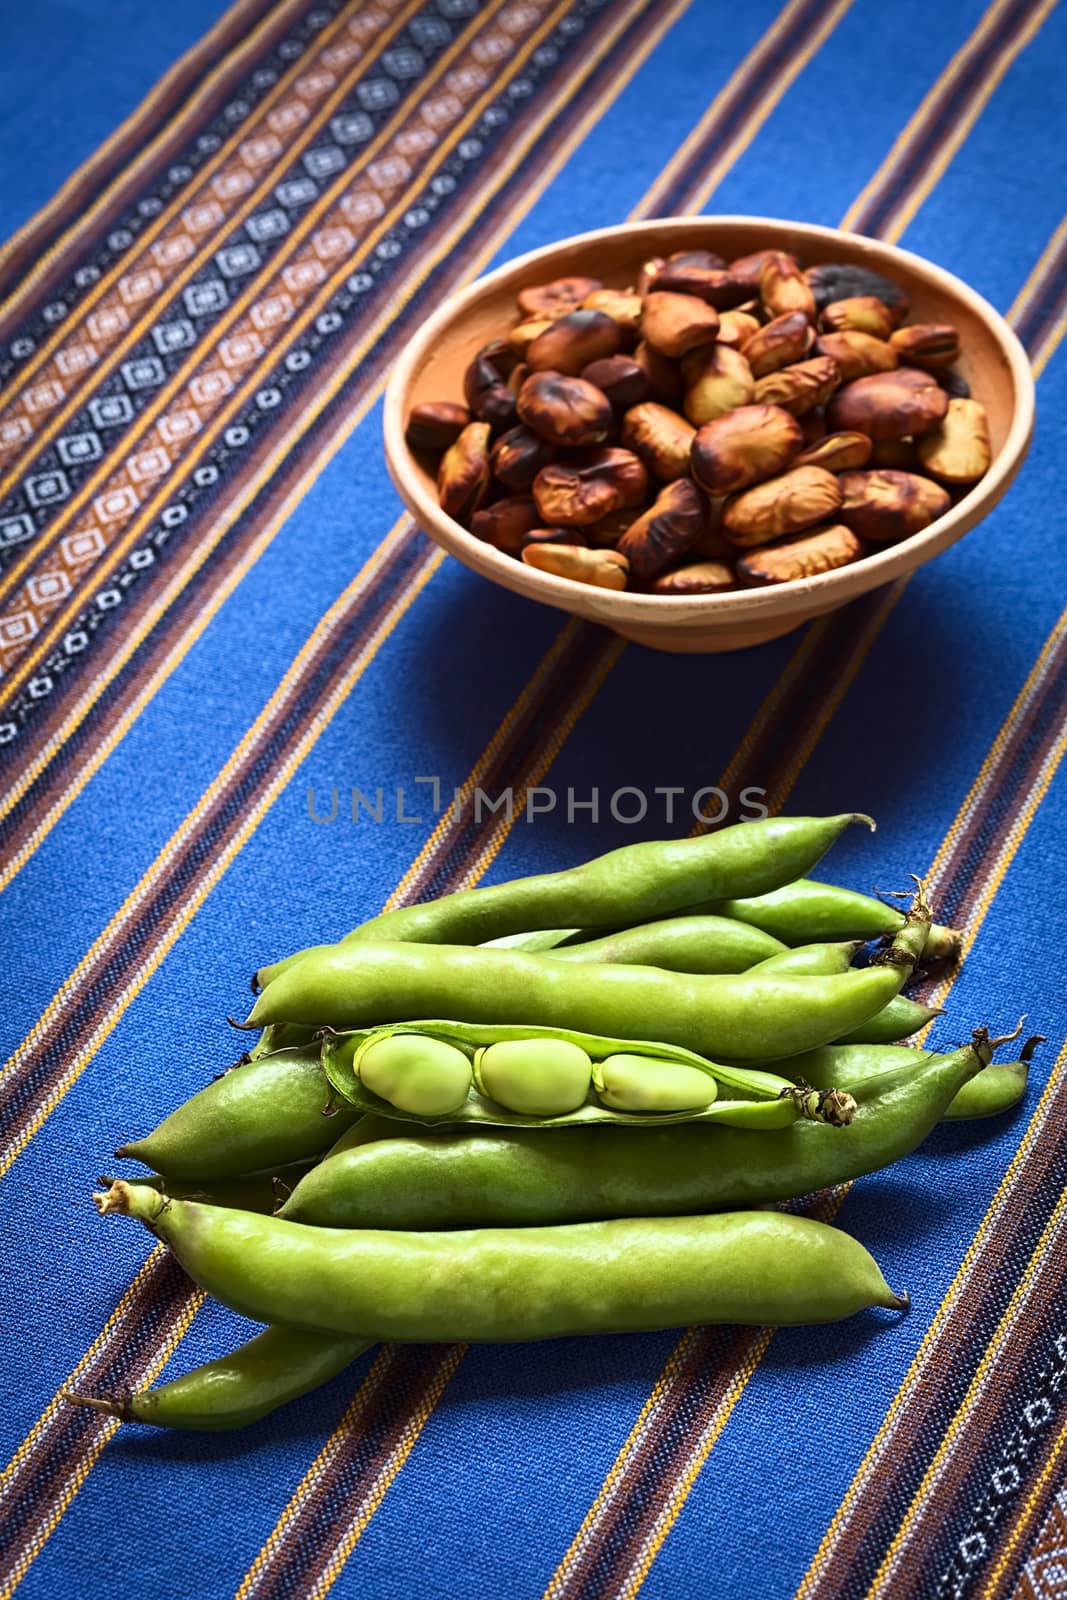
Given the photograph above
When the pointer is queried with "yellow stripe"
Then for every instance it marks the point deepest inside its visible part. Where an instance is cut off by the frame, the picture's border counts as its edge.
(1000, 1201)
(160, 90)
(1005, 58)
(1026, 1515)
(324, 396)
(974, 1391)
(1048, 347)
(752, 124)
(906, 138)
(664, 182)
(107, 563)
(379, 1375)
(260, 285)
(1022, 300)
(64, 332)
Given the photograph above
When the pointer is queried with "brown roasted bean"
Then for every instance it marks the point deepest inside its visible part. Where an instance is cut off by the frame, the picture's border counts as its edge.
(737, 326)
(863, 313)
(784, 288)
(604, 569)
(665, 381)
(888, 405)
(699, 577)
(564, 410)
(718, 379)
(747, 269)
(582, 490)
(798, 499)
(846, 280)
(807, 555)
(857, 354)
(506, 523)
(606, 533)
(706, 260)
(885, 506)
(801, 387)
(621, 379)
(666, 532)
(646, 277)
(621, 306)
(463, 476)
(777, 343)
(744, 447)
(897, 453)
(555, 299)
(837, 452)
(573, 341)
(674, 324)
(485, 385)
(660, 437)
(518, 378)
(518, 456)
(435, 425)
(709, 284)
(523, 334)
(959, 449)
(927, 344)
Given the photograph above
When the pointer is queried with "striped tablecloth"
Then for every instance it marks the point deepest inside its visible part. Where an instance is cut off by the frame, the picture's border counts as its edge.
(212, 616)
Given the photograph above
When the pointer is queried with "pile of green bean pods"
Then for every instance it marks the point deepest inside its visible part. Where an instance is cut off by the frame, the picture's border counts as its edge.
(567, 1104)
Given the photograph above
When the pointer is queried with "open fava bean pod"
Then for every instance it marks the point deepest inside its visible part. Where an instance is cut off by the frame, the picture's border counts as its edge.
(496, 1075)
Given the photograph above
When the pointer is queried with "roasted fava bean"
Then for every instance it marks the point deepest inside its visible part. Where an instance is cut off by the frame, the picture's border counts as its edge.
(707, 260)
(622, 306)
(605, 534)
(884, 506)
(435, 425)
(660, 437)
(837, 452)
(958, 450)
(646, 277)
(888, 405)
(801, 387)
(564, 410)
(674, 324)
(524, 333)
(927, 344)
(710, 284)
(747, 269)
(798, 499)
(898, 453)
(603, 569)
(571, 536)
(744, 447)
(857, 354)
(818, 550)
(485, 384)
(518, 456)
(844, 280)
(699, 577)
(666, 532)
(463, 476)
(863, 313)
(620, 378)
(777, 343)
(573, 341)
(555, 299)
(735, 327)
(665, 381)
(506, 523)
(718, 379)
(784, 288)
(586, 488)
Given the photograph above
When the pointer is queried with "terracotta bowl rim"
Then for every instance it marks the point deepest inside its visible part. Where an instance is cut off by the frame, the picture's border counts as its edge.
(826, 589)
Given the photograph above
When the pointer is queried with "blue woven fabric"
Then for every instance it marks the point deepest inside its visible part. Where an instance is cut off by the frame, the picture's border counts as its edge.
(473, 1476)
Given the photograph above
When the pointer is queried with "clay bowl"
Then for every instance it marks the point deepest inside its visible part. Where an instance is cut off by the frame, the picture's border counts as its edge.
(432, 366)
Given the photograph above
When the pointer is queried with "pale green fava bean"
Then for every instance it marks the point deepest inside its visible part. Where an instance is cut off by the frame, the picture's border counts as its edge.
(634, 1083)
(505, 1284)
(426, 1077)
(539, 1077)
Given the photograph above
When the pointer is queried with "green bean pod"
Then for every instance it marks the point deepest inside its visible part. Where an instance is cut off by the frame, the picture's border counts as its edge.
(264, 1114)
(706, 944)
(501, 1284)
(278, 1365)
(458, 1177)
(252, 1191)
(812, 960)
(997, 1088)
(743, 1017)
(898, 1019)
(762, 1099)
(636, 883)
(806, 911)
